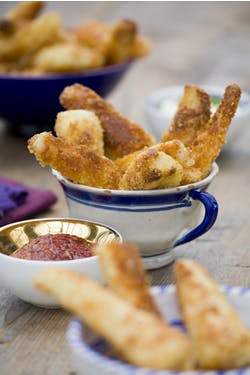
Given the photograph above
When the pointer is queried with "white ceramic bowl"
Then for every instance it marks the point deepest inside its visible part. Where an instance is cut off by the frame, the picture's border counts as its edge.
(89, 349)
(17, 274)
(161, 105)
(156, 220)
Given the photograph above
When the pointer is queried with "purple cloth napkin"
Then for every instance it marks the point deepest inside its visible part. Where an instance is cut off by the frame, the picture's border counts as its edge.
(11, 197)
(20, 202)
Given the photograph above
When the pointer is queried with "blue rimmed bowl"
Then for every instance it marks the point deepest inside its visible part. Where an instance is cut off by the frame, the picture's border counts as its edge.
(156, 220)
(30, 103)
(92, 353)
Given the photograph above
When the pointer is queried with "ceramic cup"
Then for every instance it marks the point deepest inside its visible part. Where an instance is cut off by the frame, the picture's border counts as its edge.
(156, 220)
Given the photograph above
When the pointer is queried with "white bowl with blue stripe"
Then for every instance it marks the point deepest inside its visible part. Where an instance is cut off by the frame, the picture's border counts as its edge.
(156, 220)
(92, 353)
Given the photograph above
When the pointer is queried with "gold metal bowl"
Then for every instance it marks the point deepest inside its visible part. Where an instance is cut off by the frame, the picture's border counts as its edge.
(17, 274)
(14, 236)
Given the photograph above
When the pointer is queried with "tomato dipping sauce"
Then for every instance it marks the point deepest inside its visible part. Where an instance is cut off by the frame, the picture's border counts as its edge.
(56, 247)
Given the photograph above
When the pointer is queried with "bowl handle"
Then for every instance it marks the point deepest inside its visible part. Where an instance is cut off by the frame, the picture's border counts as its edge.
(211, 212)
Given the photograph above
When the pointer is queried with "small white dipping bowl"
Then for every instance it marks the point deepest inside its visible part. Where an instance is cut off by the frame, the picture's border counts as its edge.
(17, 274)
(161, 105)
(90, 351)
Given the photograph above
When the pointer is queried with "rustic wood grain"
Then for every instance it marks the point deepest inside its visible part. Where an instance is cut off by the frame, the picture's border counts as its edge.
(202, 43)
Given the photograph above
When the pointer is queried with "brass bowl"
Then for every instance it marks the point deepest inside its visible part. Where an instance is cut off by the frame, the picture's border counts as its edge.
(14, 236)
(17, 274)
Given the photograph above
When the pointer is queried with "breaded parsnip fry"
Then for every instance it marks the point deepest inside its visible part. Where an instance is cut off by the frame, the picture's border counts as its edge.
(117, 43)
(25, 11)
(65, 57)
(7, 27)
(206, 146)
(220, 339)
(121, 137)
(174, 148)
(125, 274)
(184, 156)
(192, 116)
(80, 127)
(95, 34)
(74, 162)
(16, 17)
(142, 338)
(151, 169)
(123, 34)
(177, 151)
(140, 47)
(40, 32)
(123, 162)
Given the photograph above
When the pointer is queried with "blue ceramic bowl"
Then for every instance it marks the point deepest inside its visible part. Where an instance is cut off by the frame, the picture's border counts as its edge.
(30, 103)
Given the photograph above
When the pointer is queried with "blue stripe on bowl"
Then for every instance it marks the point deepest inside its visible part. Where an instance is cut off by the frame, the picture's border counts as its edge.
(105, 364)
(125, 200)
(132, 207)
(144, 203)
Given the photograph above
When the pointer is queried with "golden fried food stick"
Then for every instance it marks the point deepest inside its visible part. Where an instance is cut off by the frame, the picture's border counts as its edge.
(81, 127)
(140, 47)
(40, 32)
(25, 11)
(125, 274)
(123, 35)
(16, 17)
(191, 117)
(142, 338)
(8, 67)
(207, 145)
(7, 27)
(117, 43)
(95, 34)
(121, 137)
(65, 57)
(75, 162)
(174, 148)
(123, 162)
(177, 151)
(184, 156)
(151, 169)
(221, 341)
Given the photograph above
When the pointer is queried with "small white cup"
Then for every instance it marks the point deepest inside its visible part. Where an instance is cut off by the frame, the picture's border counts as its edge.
(156, 220)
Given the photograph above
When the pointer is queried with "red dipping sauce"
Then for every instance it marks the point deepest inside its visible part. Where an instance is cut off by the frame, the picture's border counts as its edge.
(56, 247)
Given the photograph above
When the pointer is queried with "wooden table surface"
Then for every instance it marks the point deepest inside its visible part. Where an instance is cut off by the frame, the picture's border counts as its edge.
(193, 42)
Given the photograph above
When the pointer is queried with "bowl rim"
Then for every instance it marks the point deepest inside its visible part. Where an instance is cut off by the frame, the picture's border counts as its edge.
(105, 70)
(58, 262)
(132, 193)
(79, 346)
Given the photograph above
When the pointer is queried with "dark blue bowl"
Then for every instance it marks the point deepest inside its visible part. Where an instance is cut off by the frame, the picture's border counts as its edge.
(31, 103)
